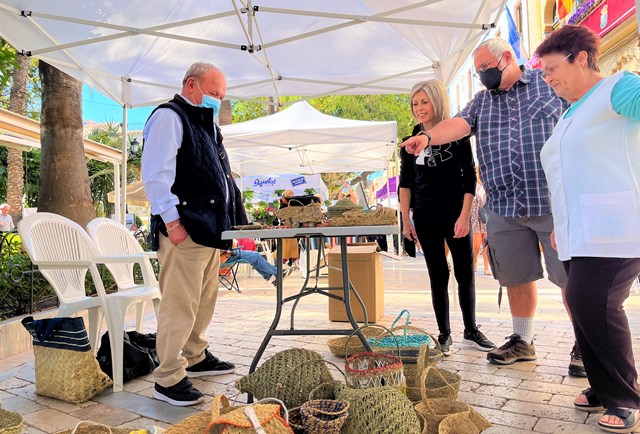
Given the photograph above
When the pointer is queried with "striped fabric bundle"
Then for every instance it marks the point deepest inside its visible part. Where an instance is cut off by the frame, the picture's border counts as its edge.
(65, 366)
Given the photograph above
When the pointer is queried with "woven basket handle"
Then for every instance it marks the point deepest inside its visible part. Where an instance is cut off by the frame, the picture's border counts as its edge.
(402, 312)
(423, 386)
(346, 343)
(218, 401)
(85, 422)
(317, 388)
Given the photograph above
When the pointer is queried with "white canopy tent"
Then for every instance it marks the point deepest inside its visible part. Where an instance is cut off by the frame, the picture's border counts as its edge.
(300, 139)
(136, 51)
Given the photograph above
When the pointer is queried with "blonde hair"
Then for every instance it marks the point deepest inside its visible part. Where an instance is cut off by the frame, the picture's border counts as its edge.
(288, 193)
(438, 97)
(496, 47)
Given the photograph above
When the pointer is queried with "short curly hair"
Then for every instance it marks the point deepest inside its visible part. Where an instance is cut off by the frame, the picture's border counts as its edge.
(572, 39)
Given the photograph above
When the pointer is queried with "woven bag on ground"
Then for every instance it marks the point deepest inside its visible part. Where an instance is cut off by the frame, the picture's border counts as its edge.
(406, 337)
(413, 371)
(65, 366)
(89, 427)
(288, 376)
(371, 369)
(324, 416)
(10, 422)
(439, 383)
(248, 419)
(478, 420)
(377, 410)
(295, 421)
(435, 410)
(457, 424)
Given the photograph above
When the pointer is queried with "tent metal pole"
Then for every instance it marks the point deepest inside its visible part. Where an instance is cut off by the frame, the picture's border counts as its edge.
(123, 205)
(398, 214)
(116, 189)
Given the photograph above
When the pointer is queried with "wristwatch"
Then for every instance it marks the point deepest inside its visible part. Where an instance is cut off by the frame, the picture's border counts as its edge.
(428, 136)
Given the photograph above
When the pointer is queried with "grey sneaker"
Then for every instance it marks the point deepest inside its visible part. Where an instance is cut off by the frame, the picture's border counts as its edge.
(445, 342)
(576, 367)
(515, 350)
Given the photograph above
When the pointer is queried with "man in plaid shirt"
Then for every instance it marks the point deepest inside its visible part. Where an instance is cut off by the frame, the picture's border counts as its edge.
(511, 120)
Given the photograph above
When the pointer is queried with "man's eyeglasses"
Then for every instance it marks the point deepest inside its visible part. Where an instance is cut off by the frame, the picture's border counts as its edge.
(485, 66)
(549, 72)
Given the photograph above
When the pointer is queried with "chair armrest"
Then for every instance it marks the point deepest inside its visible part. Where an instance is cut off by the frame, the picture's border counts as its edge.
(151, 255)
(143, 260)
(62, 265)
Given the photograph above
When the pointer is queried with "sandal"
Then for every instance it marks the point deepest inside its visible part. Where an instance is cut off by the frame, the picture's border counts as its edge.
(593, 403)
(630, 418)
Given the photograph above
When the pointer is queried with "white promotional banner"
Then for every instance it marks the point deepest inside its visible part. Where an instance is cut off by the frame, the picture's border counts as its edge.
(264, 187)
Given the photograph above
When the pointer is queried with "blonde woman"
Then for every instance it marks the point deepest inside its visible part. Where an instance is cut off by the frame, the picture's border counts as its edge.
(439, 185)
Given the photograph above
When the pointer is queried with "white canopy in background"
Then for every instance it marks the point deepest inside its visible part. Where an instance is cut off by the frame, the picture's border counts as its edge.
(300, 139)
(136, 51)
(264, 186)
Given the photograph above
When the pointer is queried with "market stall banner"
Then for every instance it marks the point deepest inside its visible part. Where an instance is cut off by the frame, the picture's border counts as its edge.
(264, 187)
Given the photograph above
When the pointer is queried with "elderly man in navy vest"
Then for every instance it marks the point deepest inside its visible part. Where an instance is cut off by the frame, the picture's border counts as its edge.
(187, 179)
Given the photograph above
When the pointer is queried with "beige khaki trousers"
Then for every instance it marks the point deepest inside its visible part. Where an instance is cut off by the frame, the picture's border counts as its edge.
(189, 286)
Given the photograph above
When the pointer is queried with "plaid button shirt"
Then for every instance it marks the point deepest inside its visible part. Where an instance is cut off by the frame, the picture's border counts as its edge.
(510, 128)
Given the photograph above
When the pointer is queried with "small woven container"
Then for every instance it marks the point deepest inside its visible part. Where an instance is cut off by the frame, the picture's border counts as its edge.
(439, 383)
(343, 346)
(10, 422)
(478, 420)
(324, 416)
(89, 427)
(340, 207)
(377, 410)
(435, 410)
(457, 424)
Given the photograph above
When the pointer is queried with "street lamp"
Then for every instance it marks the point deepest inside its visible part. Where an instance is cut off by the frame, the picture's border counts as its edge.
(134, 148)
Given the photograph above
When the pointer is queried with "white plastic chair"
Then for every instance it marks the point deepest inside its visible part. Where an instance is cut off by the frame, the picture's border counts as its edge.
(63, 252)
(114, 239)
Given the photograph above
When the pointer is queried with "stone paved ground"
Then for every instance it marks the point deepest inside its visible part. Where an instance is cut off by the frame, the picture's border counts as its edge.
(535, 396)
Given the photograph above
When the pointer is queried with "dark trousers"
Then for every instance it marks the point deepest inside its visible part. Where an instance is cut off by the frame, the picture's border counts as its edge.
(596, 290)
(433, 227)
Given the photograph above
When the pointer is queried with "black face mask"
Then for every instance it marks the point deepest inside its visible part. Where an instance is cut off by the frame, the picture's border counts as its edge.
(492, 77)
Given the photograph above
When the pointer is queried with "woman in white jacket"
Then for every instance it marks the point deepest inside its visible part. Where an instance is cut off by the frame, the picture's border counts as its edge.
(592, 165)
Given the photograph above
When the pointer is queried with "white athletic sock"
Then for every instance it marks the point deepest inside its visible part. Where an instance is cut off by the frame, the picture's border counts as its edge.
(524, 327)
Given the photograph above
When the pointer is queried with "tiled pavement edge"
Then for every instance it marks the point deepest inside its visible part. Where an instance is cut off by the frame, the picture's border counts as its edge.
(535, 396)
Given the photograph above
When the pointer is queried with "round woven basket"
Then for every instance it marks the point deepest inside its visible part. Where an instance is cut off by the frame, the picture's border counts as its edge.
(343, 346)
(457, 424)
(324, 416)
(10, 422)
(295, 421)
(340, 207)
(435, 410)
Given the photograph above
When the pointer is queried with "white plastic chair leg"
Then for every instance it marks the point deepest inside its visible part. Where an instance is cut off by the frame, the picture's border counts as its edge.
(116, 336)
(95, 325)
(139, 315)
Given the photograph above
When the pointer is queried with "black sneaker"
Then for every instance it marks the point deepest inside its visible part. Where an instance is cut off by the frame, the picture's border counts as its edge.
(445, 342)
(211, 365)
(182, 394)
(477, 339)
(576, 367)
(515, 350)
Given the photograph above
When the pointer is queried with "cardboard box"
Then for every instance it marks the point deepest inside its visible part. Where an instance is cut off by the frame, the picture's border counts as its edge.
(365, 273)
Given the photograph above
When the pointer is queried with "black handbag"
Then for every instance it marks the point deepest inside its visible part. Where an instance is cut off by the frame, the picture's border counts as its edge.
(482, 215)
(139, 355)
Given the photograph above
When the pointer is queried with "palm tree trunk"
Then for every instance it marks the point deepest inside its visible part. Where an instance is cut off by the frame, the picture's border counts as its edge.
(64, 180)
(15, 163)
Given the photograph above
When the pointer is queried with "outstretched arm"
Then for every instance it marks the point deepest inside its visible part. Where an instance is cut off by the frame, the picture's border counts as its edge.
(445, 132)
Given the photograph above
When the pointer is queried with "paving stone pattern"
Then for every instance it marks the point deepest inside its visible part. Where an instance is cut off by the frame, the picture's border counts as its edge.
(535, 396)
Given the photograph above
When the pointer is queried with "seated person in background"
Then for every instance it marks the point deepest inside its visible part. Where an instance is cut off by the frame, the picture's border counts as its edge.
(267, 270)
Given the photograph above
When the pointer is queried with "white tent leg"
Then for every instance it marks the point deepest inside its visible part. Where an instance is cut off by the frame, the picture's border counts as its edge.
(123, 204)
(398, 212)
(116, 189)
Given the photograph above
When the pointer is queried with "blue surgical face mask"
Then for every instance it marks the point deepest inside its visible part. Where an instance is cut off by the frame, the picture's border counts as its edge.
(209, 102)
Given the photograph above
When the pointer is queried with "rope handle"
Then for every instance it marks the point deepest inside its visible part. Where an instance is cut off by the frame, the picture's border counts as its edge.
(423, 385)
(346, 343)
(75, 428)
(427, 356)
(311, 395)
(221, 401)
(402, 312)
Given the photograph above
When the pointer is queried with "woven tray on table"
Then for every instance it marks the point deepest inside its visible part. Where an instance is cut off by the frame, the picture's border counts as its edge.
(357, 217)
(340, 207)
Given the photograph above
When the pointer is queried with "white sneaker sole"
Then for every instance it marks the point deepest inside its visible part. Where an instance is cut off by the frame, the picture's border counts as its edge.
(477, 346)
(160, 397)
(210, 373)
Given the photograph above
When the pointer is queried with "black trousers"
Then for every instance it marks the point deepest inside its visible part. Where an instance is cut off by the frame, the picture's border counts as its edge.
(596, 290)
(433, 227)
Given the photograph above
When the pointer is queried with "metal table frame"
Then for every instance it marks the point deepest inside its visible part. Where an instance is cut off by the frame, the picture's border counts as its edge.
(341, 233)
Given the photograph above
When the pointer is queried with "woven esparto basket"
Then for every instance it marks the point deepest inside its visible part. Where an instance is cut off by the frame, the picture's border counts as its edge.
(89, 427)
(371, 369)
(457, 424)
(198, 423)
(439, 383)
(435, 410)
(295, 421)
(324, 416)
(10, 422)
(343, 346)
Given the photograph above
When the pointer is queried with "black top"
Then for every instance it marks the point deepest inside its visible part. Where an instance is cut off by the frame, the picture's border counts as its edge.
(439, 176)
